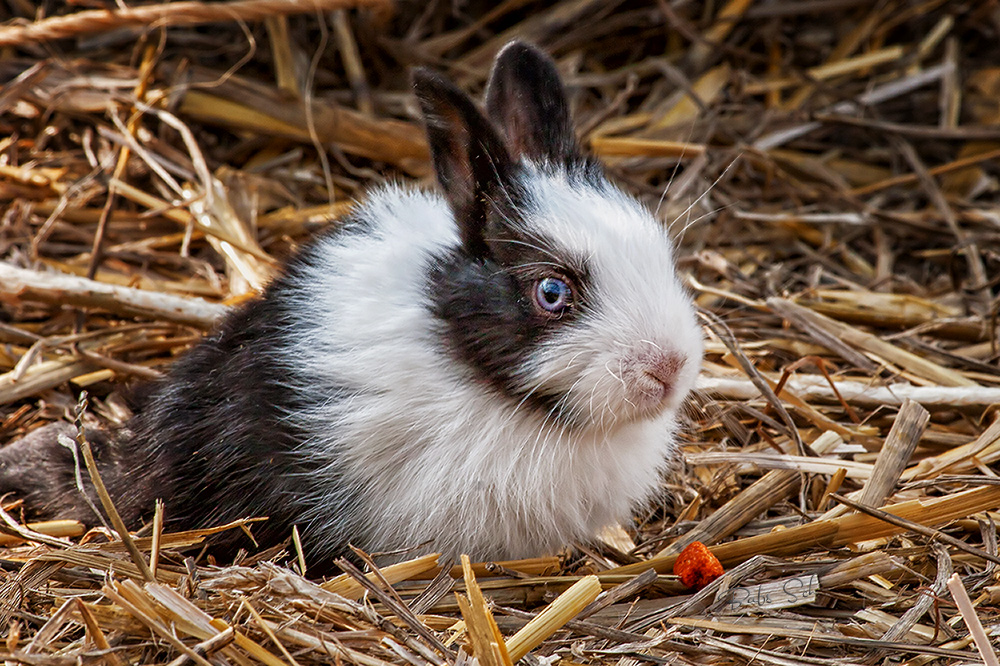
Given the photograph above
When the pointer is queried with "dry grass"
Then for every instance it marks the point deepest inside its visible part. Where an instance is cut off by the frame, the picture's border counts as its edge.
(829, 168)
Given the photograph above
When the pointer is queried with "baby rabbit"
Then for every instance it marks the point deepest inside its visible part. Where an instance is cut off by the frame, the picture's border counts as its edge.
(493, 369)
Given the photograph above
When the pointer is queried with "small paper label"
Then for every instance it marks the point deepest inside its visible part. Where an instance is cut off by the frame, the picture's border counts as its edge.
(783, 593)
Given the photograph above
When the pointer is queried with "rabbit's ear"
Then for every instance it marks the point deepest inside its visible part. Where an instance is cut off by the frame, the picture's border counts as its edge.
(525, 97)
(470, 157)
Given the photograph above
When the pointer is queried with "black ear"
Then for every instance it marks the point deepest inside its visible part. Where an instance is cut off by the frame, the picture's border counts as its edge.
(525, 97)
(470, 157)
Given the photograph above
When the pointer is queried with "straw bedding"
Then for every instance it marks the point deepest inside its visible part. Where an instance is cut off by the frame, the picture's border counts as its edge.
(829, 170)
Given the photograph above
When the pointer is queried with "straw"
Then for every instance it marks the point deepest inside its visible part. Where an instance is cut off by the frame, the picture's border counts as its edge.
(826, 168)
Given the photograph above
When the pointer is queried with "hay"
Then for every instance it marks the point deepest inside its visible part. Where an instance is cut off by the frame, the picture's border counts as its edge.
(828, 168)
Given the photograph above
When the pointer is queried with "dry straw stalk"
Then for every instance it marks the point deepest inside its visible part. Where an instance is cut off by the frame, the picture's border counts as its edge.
(826, 168)
(563, 609)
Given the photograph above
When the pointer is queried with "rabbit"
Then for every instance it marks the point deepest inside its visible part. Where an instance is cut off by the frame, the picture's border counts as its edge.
(494, 369)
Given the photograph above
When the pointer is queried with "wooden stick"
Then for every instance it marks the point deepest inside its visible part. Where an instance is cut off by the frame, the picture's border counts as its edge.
(895, 454)
(811, 387)
(60, 289)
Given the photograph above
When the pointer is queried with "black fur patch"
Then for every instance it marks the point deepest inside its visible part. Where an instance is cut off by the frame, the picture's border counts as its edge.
(483, 292)
(471, 159)
(42, 472)
(210, 439)
(525, 97)
(486, 308)
(219, 419)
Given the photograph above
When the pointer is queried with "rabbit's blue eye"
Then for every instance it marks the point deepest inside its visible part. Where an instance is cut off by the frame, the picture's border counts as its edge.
(553, 295)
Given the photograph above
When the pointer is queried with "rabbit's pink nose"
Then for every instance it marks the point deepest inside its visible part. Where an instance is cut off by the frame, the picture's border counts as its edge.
(651, 377)
(663, 368)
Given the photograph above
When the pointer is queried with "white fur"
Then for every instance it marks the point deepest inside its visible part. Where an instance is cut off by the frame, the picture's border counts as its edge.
(438, 456)
(637, 304)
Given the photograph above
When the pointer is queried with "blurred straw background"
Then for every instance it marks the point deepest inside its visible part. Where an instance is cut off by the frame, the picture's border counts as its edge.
(829, 169)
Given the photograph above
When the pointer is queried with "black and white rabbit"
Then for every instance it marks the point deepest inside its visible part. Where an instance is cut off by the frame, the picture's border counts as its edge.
(495, 369)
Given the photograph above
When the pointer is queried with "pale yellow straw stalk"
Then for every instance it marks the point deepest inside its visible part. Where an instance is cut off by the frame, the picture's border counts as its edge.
(565, 607)
(349, 588)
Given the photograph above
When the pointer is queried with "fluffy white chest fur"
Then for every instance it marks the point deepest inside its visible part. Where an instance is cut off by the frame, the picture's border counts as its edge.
(438, 458)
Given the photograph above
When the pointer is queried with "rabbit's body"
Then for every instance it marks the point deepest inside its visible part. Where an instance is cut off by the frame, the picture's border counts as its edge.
(427, 445)
(494, 371)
